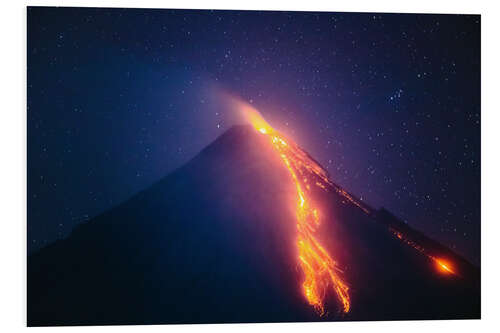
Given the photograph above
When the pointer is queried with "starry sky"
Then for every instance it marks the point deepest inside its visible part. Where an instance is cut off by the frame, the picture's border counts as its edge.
(388, 103)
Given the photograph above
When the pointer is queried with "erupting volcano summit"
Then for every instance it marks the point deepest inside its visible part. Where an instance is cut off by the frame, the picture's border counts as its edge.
(250, 230)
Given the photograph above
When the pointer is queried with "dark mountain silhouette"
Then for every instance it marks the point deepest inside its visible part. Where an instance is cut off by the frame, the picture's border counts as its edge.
(214, 242)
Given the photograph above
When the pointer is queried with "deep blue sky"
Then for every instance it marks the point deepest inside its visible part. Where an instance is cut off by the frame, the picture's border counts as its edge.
(389, 103)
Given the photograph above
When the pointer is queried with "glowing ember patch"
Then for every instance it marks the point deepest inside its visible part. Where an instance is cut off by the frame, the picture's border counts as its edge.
(320, 270)
(444, 266)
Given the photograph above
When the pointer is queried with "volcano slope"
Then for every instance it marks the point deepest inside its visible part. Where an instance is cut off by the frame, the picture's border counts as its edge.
(216, 241)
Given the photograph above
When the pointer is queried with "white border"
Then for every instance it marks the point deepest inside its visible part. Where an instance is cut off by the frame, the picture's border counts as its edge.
(421, 6)
(13, 158)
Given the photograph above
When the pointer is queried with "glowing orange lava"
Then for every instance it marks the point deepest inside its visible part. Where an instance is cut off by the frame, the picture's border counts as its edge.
(320, 271)
(443, 266)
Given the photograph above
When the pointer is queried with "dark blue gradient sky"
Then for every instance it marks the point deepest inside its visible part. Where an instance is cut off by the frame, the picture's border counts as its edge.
(388, 103)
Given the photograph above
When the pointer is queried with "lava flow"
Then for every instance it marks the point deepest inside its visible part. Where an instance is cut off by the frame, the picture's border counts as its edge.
(443, 266)
(320, 270)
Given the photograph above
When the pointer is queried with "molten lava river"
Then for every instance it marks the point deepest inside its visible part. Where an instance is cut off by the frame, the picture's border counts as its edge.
(320, 269)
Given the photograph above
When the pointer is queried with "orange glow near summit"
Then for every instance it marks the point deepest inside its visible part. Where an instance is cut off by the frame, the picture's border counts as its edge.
(321, 272)
(254, 117)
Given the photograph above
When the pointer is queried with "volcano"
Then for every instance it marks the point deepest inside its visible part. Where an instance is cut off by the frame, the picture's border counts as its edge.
(252, 229)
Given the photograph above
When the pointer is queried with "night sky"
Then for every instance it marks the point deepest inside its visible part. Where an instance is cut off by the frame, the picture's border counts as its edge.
(388, 103)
